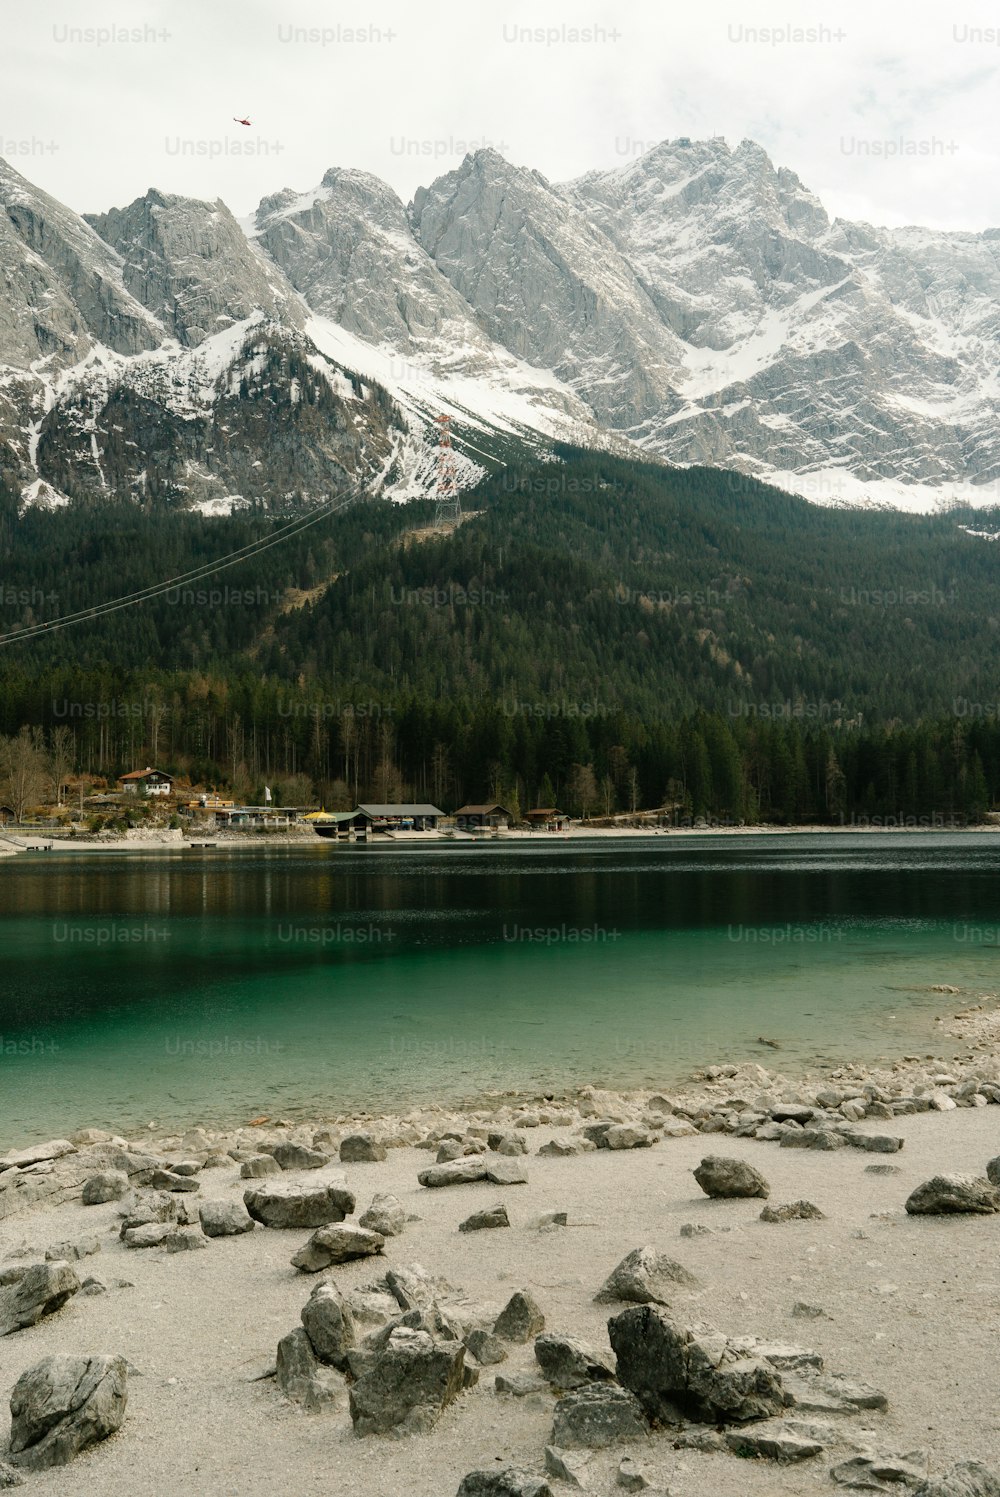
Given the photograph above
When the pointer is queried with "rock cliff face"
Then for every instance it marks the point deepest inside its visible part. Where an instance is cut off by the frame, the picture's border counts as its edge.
(189, 263)
(255, 417)
(348, 249)
(63, 288)
(696, 303)
(549, 285)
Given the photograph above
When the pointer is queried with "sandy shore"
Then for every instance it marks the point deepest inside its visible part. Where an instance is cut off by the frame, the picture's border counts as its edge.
(909, 1304)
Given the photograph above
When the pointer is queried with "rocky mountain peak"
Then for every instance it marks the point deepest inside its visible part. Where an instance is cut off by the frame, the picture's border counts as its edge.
(189, 263)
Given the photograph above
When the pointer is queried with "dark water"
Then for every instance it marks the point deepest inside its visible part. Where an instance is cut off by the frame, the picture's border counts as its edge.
(219, 984)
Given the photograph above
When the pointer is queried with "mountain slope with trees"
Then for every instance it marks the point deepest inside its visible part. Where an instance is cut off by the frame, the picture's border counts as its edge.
(606, 634)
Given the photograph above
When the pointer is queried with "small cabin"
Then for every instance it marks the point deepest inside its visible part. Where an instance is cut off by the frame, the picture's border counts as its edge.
(468, 817)
(348, 826)
(547, 819)
(146, 782)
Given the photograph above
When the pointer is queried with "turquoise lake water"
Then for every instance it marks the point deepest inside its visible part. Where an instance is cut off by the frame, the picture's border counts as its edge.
(214, 985)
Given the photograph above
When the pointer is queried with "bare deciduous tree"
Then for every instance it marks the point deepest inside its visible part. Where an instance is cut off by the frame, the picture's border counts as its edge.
(583, 788)
(24, 770)
(62, 758)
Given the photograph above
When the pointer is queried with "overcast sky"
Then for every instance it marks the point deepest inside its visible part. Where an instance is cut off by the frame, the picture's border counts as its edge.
(887, 112)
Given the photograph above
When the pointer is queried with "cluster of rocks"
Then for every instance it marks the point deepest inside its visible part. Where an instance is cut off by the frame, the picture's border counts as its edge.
(402, 1348)
(696, 1387)
(100, 1167)
(723, 1178)
(749, 1101)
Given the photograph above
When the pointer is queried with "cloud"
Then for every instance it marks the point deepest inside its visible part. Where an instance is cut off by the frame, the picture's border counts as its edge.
(885, 112)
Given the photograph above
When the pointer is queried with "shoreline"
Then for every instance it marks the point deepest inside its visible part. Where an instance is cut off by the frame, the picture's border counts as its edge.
(176, 841)
(973, 1037)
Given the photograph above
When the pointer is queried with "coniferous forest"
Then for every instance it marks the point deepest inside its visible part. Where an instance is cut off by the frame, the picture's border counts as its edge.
(597, 634)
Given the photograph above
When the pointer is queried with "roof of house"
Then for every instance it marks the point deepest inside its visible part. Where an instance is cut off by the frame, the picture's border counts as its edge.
(401, 810)
(481, 810)
(143, 774)
(545, 811)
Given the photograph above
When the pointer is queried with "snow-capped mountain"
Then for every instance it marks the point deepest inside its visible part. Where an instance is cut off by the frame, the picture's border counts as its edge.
(161, 352)
(830, 356)
(696, 304)
(167, 361)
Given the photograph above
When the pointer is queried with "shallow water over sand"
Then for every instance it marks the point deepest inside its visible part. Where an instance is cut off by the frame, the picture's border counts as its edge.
(214, 985)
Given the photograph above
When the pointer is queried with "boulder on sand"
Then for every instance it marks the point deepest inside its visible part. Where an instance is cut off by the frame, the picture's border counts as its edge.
(966, 1479)
(487, 1349)
(721, 1178)
(698, 1371)
(109, 1185)
(479, 1221)
(597, 1417)
(41, 1290)
(282, 1204)
(569, 1363)
(875, 1143)
(338, 1243)
(63, 1405)
(225, 1219)
(411, 1379)
(792, 1211)
(148, 1235)
(140, 1209)
(645, 1277)
(503, 1481)
(624, 1136)
(298, 1157)
(463, 1171)
(812, 1138)
(385, 1215)
(259, 1167)
(782, 1440)
(329, 1324)
(361, 1148)
(520, 1319)
(300, 1375)
(504, 1170)
(167, 1180)
(945, 1194)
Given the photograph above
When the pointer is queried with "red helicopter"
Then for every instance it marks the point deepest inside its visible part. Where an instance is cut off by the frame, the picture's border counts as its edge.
(240, 122)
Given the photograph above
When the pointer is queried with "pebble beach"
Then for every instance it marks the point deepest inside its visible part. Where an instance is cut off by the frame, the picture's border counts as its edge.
(514, 1215)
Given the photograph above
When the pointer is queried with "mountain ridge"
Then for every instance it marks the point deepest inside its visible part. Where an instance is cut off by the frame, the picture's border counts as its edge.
(696, 305)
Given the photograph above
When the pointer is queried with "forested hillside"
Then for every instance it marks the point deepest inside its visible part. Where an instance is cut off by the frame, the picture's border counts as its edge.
(597, 632)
